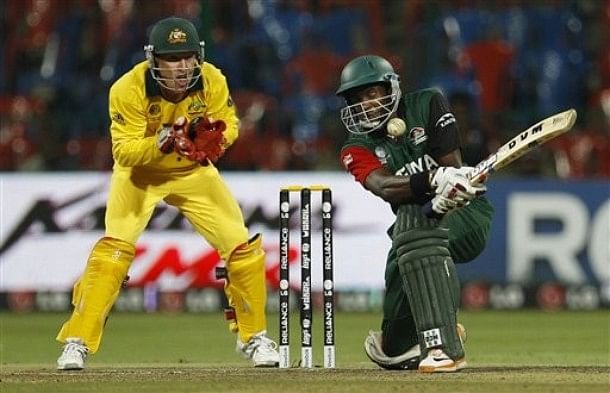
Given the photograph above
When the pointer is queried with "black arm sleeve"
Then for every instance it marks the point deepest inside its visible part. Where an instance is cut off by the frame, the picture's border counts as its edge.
(443, 135)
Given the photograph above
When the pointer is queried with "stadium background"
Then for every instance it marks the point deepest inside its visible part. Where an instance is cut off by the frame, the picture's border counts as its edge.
(502, 64)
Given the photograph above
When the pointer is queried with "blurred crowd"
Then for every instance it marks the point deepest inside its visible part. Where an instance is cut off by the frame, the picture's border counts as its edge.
(502, 64)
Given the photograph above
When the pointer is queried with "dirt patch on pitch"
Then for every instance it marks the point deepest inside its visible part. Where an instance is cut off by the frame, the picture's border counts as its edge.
(558, 374)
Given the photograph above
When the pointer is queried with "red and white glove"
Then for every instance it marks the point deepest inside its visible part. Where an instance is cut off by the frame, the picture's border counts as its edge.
(442, 205)
(454, 183)
(453, 189)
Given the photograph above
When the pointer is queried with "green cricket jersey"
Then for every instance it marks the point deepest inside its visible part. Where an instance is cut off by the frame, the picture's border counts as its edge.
(432, 132)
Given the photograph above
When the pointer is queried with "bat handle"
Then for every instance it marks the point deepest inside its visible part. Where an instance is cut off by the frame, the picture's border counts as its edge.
(480, 176)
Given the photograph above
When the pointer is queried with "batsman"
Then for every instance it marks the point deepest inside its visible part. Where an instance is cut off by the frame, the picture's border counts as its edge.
(172, 118)
(404, 148)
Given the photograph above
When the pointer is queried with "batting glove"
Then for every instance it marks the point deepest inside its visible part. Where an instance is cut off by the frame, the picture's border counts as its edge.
(442, 205)
(454, 184)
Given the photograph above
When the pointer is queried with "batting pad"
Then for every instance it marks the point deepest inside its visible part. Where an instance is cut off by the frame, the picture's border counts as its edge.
(246, 288)
(429, 279)
(96, 291)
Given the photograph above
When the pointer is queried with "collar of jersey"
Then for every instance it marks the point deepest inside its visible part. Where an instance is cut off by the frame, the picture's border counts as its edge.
(153, 89)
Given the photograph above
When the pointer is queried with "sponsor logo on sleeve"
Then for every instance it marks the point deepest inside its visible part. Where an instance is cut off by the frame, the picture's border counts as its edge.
(445, 120)
(118, 118)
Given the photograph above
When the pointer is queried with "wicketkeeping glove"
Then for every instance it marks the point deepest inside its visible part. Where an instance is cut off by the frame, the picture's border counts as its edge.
(203, 141)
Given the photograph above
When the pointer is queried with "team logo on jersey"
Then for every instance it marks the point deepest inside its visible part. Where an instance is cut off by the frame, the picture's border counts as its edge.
(154, 110)
(176, 36)
(195, 107)
(381, 154)
(117, 117)
(417, 135)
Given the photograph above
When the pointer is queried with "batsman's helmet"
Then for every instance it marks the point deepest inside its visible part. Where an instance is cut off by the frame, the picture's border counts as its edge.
(361, 72)
(174, 36)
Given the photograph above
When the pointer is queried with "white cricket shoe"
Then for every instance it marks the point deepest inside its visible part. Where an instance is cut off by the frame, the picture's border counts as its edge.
(374, 350)
(406, 361)
(73, 356)
(437, 361)
(260, 349)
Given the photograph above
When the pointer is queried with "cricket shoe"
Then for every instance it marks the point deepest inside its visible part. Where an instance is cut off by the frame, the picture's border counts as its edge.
(73, 356)
(260, 349)
(406, 361)
(437, 361)
(374, 350)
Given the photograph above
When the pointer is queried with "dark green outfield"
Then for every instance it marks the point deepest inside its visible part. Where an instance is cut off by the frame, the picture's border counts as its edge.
(511, 351)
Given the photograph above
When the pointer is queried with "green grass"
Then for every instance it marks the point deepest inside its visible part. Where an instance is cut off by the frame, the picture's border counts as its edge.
(529, 351)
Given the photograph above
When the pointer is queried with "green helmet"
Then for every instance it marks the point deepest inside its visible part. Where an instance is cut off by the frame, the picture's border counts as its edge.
(365, 70)
(361, 72)
(174, 35)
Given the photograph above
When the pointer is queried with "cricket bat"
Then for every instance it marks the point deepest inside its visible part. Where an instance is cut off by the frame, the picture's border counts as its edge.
(519, 145)
(524, 142)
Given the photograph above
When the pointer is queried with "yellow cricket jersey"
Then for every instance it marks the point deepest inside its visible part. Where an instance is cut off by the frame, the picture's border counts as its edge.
(138, 111)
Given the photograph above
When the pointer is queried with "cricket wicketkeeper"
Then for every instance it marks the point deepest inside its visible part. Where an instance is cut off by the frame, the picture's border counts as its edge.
(171, 119)
(405, 150)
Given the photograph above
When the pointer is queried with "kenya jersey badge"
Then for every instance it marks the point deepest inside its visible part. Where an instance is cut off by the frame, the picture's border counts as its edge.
(417, 135)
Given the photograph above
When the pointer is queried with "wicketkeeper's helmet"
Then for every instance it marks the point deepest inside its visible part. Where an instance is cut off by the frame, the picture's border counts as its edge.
(176, 36)
(363, 72)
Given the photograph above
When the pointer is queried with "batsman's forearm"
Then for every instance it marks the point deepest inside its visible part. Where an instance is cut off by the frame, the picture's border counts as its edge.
(398, 193)
(392, 189)
(135, 152)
